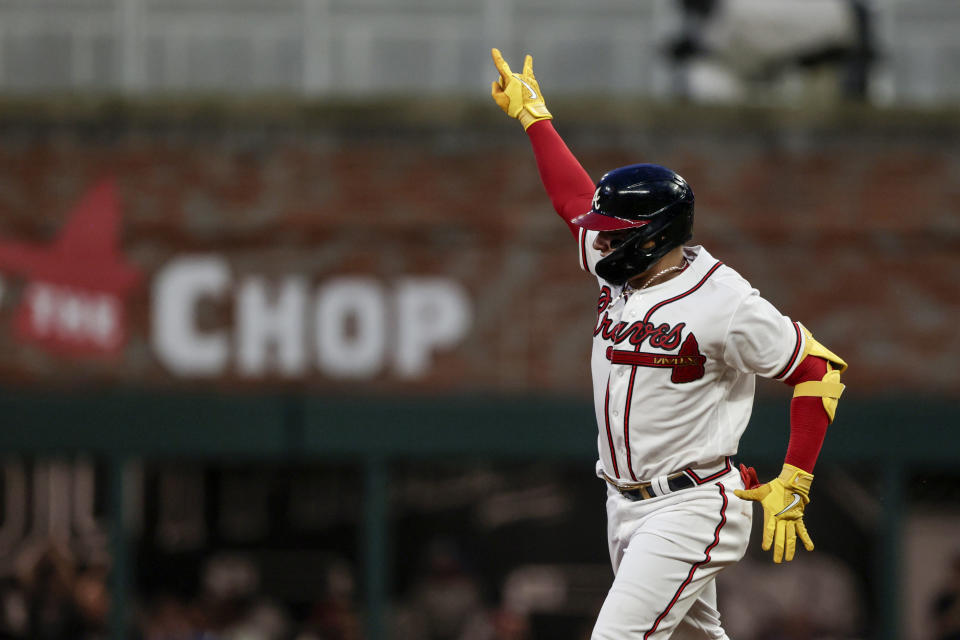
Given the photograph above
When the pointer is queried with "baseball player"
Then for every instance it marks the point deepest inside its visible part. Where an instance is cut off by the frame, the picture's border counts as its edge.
(679, 340)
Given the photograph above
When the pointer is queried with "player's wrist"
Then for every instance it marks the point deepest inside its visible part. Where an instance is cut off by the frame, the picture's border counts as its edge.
(530, 116)
(796, 479)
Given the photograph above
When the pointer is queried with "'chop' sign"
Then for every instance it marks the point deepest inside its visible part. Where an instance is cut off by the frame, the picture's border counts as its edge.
(347, 327)
(208, 322)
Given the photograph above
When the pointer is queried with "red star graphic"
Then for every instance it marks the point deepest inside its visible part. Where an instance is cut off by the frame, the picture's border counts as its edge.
(74, 299)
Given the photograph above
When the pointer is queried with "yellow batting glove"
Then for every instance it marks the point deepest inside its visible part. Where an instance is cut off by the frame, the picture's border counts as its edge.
(518, 94)
(783, 500)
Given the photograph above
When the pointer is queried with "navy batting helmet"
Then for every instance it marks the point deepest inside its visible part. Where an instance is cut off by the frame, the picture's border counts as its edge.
(651, 199)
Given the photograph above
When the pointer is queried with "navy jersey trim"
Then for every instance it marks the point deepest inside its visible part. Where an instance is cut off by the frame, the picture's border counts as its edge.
(699, 480)
(796, 352)
(633, 371)
(606, 419)
(709, 273)
(626, 421)
(583, 250)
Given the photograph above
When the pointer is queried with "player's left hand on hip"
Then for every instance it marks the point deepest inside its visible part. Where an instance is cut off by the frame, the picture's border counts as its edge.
(518, 94)
(783, 500)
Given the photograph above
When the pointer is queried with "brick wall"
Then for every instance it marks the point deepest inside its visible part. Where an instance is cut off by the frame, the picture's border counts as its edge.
(853, 231)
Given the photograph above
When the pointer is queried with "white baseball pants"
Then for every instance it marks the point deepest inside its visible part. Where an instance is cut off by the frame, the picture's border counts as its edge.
(666, 553)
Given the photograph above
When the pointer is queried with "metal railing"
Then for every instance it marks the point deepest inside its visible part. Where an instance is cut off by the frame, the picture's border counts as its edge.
(339, 47)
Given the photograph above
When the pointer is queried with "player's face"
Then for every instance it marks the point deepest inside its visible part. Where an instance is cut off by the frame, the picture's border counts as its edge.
(607, 241)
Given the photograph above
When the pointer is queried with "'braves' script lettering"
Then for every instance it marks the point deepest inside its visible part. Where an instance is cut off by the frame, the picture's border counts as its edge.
(661, 336)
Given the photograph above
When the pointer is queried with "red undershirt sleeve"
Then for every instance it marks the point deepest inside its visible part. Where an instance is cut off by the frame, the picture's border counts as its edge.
(567, 183)
(808, 418)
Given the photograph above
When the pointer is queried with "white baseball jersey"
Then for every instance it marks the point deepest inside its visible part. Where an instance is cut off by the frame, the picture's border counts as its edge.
(674, 366)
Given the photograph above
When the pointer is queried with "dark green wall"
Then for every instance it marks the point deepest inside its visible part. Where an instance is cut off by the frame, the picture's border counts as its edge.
(911, 430)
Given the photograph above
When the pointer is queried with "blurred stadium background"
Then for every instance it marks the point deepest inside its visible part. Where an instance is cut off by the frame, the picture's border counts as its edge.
(292, 345)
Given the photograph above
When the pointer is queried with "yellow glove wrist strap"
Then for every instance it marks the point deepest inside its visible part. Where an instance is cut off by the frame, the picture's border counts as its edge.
(533, 113)
(796, 479)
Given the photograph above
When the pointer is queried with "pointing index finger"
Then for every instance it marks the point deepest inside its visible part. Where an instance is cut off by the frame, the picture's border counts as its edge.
(528, 65)
(501, 65)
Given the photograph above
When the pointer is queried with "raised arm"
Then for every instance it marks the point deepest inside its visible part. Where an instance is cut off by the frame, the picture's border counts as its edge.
(568, 185)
